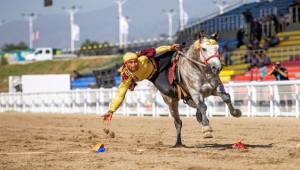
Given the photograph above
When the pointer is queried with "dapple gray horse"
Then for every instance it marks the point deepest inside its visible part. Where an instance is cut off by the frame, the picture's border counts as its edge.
(199, 68)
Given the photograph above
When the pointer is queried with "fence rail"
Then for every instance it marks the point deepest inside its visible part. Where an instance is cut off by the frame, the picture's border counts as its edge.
(253, 98)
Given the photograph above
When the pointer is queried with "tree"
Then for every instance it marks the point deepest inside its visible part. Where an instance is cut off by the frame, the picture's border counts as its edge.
(89, 43)
(12, 47)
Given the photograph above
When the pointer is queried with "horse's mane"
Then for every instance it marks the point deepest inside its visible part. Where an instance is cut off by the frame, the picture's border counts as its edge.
(191, 50)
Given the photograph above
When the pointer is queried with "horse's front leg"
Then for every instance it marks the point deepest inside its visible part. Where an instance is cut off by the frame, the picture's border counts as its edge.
(226, 98)
(201, 116)
(173, 108)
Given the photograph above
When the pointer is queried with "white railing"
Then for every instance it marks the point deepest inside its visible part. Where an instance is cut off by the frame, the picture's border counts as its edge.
(253, 98)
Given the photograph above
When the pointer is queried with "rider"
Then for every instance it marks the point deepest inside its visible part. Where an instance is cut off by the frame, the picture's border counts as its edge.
(148, 64)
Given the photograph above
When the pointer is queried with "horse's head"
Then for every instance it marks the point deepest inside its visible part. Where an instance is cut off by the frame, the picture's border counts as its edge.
(207, 51)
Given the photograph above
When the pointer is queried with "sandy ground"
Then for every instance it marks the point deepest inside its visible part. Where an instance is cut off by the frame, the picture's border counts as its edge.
(53, 141)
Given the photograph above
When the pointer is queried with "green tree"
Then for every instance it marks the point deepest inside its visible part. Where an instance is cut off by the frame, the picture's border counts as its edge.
(12, 47)
(88, 42)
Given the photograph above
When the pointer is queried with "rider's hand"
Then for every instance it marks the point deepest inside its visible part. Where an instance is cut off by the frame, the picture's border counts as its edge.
(138, 53)
(175, 47)
(107, 116)
(274, 68)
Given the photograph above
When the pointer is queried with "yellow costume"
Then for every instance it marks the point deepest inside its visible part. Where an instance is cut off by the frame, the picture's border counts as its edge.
(146, 70)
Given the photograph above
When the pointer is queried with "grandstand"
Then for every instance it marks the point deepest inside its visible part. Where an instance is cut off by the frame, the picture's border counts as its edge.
(228, 23)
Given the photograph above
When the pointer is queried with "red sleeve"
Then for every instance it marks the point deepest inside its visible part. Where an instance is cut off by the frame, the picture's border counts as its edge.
(149, 52)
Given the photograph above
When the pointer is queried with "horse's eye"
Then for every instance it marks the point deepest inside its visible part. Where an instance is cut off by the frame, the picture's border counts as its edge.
(204, 49)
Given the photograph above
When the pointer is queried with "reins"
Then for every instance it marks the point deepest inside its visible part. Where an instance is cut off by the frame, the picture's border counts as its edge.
(191, 60)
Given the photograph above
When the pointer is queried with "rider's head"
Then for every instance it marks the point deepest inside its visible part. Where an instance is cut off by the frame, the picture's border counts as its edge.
(131, 61)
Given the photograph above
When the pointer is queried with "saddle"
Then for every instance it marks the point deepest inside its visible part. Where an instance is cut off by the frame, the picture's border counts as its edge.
(175, 79)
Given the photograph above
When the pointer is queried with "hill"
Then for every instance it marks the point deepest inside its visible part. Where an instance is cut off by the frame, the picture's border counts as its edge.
(63, 66)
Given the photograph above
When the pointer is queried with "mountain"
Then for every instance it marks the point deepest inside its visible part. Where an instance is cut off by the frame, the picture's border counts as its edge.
(146, 21)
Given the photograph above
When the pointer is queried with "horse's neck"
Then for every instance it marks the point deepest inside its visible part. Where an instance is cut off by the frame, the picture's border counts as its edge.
(193, 55)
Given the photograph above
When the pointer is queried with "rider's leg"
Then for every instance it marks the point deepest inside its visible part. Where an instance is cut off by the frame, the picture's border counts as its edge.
(164, 61)
(160, 79)
(162, 84)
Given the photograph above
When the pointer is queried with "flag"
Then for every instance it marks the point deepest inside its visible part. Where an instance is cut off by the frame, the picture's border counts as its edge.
(75, 32)
(124, 25)
(35, 35)
(185, 18)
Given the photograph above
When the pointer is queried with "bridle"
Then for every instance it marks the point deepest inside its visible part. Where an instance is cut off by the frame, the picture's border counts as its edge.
(200, 52)
(206, 59)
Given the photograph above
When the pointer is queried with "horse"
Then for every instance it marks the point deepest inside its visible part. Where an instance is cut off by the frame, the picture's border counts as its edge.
(199, 69)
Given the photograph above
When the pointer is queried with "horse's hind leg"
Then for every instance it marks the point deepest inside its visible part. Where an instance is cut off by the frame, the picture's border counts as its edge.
(226, 98)
(173, 108)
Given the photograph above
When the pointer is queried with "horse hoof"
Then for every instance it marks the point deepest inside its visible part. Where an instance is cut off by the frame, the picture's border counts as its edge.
(207, 135)
(236, 113)
(178, 145)
(206, 129)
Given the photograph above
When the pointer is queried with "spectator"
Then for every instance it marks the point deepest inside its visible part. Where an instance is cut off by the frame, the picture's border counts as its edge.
(263, 60)
(252, 60)
(279, 72)
(267, 42)
(276, 23)
(249, 24)
(240, 37)
(255, 44)
(258, 32)
(282, 22)
(244, 58)
(274, 41)
(76, 75)
(226, 55)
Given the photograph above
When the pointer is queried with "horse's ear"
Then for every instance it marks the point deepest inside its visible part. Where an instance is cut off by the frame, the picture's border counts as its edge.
(215, 36)
(201, 35)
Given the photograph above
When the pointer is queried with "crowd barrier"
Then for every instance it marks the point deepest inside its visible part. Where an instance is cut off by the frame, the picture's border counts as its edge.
(272, 98)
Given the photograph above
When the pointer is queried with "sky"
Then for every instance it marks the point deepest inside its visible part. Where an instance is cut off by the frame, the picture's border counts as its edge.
(97, 19)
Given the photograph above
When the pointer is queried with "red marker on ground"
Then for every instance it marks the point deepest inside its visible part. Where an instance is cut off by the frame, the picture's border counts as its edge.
(239, 145)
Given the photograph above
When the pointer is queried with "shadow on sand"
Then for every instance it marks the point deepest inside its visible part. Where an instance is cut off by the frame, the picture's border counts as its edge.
(227, 146)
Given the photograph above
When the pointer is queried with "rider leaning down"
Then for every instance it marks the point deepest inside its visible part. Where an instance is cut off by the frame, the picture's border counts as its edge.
(140, 66)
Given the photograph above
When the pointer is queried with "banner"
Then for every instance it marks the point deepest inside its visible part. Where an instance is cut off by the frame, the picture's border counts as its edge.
(35, 35)
(185, 18)
(124, 25)
(75, 32)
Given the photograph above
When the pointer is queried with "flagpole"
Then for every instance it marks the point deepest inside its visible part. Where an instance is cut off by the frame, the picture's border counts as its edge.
(30, 17)
(120, 15)
(72, 11)
(181, 17)
(170, 15)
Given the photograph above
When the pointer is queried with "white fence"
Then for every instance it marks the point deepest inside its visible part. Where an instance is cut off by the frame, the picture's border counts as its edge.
(253, 98)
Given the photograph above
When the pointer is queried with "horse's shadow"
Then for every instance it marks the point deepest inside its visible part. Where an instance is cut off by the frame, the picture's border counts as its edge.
(227, 146)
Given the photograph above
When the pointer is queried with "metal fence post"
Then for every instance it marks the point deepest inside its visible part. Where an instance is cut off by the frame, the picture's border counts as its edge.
(154, 106)
(297, 100)
(276, 101)
(84, 101)
(249, 102)
(253, 99)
